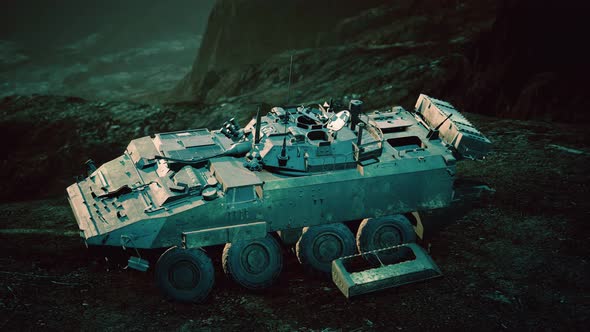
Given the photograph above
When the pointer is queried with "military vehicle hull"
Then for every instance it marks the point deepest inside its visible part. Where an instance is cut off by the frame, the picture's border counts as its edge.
(331, 197)
(297, 170)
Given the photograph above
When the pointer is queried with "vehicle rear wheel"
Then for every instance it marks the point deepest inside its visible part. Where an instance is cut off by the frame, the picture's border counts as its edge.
(254, 264)
(384, 232)
(319, 245)
(185, 275)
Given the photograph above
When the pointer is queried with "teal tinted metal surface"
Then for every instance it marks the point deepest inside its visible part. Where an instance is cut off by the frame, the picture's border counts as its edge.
(353, 275)
(295, 167)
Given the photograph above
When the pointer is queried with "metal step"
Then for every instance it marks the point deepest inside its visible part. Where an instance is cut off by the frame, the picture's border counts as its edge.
(383, 268)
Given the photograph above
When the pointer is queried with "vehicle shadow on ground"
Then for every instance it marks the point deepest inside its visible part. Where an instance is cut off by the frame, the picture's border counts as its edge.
(468, 195)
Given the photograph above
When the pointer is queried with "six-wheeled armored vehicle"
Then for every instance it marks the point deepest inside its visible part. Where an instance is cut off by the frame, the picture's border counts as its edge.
(299, 175)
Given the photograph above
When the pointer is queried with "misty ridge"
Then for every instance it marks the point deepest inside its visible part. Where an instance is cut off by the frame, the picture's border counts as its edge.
(490, 57)
(98, 50)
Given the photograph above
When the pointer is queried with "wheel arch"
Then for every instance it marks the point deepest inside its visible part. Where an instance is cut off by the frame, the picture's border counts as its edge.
(416, 220)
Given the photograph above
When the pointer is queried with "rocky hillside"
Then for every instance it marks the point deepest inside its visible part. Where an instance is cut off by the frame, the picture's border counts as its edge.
(486, 57)
(493, 57)
(248, 32)
(530, 64)
(516, 262)
(103, 50)
(48, 138)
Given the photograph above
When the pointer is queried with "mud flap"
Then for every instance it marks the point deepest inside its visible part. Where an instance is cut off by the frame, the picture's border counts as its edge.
(418, 227)
(383, 268)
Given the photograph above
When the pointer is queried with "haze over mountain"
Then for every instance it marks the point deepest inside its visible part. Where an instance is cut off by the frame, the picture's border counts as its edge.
(491, 57)
(98, 49)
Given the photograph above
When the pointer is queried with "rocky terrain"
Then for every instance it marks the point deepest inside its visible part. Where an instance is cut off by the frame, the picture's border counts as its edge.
(380, 50)
(510, 58)
(516, 261)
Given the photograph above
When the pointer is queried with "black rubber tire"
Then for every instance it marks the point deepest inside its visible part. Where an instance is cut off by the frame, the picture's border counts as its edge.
(314, 252)
(383, 232)
(185, 275)
(253, 264)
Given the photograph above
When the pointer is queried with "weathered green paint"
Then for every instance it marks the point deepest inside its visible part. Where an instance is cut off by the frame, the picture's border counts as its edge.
(212, 236)
(154, 194)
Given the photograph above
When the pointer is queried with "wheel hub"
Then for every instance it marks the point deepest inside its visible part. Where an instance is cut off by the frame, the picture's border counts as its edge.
(387, 236)
(184, 275)
(255, 258)
(327, 247)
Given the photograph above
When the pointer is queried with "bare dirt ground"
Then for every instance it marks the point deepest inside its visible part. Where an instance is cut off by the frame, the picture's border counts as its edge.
(516, 261)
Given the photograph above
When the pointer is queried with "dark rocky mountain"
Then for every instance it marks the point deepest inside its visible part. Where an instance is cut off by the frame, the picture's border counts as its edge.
(42, 25)
(248, 32)
(519, 59)
(493, 57)
(530, 64)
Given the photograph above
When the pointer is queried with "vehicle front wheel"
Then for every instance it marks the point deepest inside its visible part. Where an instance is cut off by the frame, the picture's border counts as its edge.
(185, 275)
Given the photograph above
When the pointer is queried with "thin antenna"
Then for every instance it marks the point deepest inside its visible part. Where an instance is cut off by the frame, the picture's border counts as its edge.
(289, 86)
(433, 133)
(445, 120)
(283, 157)
(257, 132)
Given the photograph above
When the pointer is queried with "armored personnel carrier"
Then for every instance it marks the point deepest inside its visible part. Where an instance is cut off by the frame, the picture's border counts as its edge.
(298, 175)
